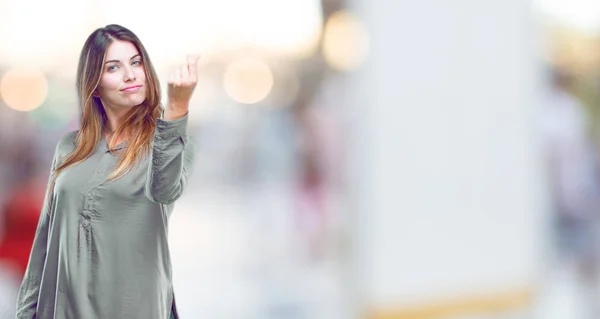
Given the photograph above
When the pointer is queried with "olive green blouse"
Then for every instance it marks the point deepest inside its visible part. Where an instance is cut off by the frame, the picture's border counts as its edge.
(100, 249)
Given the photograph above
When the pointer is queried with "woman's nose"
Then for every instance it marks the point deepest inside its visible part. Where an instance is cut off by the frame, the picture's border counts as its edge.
(128, 75)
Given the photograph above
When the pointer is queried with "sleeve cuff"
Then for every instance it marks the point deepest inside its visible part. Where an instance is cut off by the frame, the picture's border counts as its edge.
(167, 130)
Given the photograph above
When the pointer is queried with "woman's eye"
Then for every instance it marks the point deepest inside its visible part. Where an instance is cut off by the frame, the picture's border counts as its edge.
(136, 62)
(112, 67)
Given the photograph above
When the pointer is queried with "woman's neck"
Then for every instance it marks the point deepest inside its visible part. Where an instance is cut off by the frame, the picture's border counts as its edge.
(110, 129)
(114, 118)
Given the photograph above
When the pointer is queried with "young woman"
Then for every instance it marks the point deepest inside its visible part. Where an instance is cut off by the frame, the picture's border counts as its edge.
(100, 249)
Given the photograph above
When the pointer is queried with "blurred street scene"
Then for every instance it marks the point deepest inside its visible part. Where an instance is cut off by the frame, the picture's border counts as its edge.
(357, 159)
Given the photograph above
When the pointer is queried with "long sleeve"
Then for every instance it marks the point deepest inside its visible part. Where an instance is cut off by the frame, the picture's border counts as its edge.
(171, 161)
(30, 287)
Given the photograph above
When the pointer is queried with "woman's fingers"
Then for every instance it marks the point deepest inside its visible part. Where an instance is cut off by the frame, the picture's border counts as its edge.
(187, 73)
(185, 76)
(192, 66)
(175, 78)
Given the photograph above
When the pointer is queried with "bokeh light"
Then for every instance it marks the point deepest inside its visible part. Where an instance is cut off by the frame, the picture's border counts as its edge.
(23, 89)
(58, 110)
(345, 42)
(248, 80)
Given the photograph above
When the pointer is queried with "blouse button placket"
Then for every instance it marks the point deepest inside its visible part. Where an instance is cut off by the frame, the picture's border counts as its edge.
(91, 196)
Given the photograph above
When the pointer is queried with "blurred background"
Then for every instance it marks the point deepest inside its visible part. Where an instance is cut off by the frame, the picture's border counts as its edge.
(358, 159)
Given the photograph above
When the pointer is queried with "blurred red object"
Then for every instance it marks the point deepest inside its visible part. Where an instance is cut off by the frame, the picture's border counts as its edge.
(21, 214)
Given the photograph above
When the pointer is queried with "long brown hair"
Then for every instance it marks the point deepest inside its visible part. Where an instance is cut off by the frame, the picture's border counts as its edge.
(138, 124)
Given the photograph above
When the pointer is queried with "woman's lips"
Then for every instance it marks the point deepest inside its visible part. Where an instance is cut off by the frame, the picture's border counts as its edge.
(131, 89)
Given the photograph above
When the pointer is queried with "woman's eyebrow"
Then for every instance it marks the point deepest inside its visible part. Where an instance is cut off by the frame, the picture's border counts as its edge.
(135, 56)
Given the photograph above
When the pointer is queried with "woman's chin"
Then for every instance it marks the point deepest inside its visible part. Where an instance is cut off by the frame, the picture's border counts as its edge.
(135, 102)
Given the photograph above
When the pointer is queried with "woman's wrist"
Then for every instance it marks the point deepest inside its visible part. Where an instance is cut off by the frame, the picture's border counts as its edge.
(175, 110)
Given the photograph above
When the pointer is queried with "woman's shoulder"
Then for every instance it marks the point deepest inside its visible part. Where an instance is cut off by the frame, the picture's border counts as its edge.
(66, 143)
(68, 139)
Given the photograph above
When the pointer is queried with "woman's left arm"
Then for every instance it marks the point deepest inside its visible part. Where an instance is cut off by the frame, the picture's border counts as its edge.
(173, 154)
(171, 161)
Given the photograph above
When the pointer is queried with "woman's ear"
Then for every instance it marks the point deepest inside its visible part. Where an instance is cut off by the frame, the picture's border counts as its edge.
(95, 93)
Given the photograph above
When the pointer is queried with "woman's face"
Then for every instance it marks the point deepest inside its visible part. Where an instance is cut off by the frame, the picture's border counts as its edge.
(123, 81)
